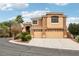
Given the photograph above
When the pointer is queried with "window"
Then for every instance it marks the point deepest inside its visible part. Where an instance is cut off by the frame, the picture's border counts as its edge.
(34, 21)
(54, 19)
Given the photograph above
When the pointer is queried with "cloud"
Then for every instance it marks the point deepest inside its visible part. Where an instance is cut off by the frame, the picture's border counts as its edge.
(12, 18)
(5, 6)
(27, 15)
(34, 13)
(20, 5)
(72, 20)
(61, 4)
(12, 6)
(47, 9)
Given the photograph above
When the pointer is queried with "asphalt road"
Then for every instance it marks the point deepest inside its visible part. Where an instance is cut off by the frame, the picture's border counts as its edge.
(10, 49)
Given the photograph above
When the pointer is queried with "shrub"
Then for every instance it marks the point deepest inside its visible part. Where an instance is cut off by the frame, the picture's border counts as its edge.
(28, 37)
(24, 33)
(77, 38)
(24, 36)
(6, 35)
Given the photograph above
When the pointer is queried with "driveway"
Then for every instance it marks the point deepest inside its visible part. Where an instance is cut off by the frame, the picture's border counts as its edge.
(63, 43)
(11, 49)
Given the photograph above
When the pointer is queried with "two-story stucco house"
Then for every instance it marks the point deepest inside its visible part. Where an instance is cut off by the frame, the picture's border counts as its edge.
(51, 25)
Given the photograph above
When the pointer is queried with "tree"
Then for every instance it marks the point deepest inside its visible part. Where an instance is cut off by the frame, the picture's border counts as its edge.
(74, 29)
(15, 29)
(13, 26)
(19, 19)
(6, 23)
(78, 28)
(4, 29)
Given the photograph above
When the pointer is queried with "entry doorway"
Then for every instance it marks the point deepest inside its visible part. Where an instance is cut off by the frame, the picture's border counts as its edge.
(28, 29)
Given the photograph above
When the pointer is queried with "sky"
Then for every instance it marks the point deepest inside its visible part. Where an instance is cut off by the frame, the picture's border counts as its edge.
(9, 11)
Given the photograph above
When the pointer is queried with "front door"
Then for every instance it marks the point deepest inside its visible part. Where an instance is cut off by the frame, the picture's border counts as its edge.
(28, 29)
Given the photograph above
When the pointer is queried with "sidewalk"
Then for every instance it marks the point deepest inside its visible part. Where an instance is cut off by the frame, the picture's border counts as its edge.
(51, 43)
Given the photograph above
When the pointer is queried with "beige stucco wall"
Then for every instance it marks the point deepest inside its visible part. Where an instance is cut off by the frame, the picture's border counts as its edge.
(55, 25)
(39, 24)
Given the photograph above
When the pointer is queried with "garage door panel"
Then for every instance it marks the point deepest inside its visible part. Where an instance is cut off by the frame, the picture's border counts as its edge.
(38, 34)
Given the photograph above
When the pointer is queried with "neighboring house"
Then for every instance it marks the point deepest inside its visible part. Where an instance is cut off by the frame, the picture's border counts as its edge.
(51, 25)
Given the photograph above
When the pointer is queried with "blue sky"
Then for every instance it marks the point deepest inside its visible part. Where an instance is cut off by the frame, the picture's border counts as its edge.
(10, 10)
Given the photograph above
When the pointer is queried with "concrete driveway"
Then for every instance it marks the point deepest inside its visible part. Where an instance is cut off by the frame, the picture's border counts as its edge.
(11, 49)
(63, 43)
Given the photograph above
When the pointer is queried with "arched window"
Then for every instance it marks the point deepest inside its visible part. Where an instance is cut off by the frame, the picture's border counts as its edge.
(54, 19)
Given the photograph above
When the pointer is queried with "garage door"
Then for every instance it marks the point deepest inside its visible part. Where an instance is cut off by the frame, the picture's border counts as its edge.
(54, 34)
(37, 34)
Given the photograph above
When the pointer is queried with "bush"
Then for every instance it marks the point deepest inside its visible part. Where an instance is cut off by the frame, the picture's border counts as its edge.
(24, 33)
(24, 36)
(77, 38)
(4, 35)
(28, 37)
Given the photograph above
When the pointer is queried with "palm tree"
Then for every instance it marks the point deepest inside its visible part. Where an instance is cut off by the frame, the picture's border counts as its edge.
(16, 26)
(15, 29)
(19, 19)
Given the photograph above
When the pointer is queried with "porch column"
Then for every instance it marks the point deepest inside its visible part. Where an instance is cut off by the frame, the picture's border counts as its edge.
(44, 27)
(64, 26)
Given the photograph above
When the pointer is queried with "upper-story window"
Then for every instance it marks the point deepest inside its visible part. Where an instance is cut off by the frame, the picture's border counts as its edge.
(54, 19)
(34, 21)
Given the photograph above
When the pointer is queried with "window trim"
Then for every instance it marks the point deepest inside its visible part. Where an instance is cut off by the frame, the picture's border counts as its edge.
(54, 22)
(33, 23)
